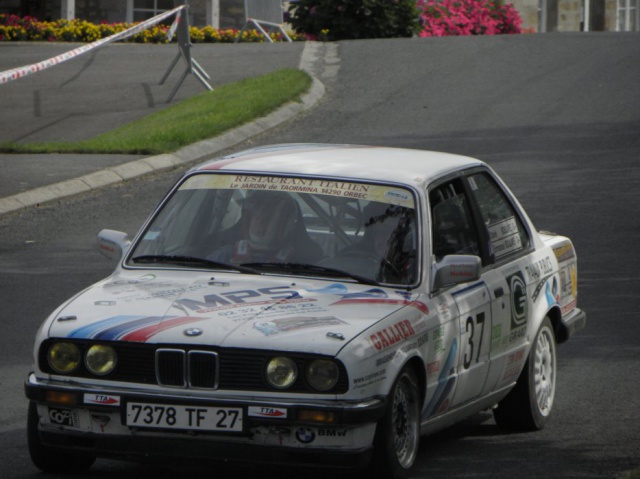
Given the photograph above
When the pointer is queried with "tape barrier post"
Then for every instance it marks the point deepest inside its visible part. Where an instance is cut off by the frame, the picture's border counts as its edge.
(21, 72)
(181, 25)
(263, 12)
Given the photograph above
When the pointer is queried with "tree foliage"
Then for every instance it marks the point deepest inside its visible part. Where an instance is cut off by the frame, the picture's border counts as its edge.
(353, 19)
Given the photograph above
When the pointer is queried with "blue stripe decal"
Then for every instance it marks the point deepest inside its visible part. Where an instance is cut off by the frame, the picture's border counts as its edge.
(468, 288)
(91, 330)
(117, 331)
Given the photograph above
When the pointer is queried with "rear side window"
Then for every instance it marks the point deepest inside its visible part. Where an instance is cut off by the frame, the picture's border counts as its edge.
(507, 234)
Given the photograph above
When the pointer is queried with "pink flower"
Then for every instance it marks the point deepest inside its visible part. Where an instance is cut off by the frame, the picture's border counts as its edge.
(467, 17)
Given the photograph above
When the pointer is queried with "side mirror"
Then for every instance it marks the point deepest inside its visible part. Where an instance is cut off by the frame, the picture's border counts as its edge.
(456, 269)
(113, 244)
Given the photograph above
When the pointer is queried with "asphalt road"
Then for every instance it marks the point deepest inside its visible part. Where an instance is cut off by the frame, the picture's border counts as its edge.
(557, 116)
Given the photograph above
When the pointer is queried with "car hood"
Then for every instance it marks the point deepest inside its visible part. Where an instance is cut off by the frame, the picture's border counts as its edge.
(230, 310)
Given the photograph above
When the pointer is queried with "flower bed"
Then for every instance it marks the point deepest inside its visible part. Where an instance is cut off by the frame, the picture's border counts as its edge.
(347, 19)
(15, 28)
(467, 17)
(312, 19)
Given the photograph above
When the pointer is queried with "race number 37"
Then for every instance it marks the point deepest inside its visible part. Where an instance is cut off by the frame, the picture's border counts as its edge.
(475, 330)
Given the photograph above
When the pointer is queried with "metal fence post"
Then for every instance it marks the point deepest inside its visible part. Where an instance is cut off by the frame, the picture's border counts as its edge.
(261, 14)
(181, 23)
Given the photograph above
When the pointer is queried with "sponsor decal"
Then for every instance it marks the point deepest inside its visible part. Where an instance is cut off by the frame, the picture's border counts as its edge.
(64, 417)
(443, 310)
(150, 291)
(438, 339)
(391, 335)
(371, 296)
(399, 302)
(446, 381)
(297, 323)
(400, 195)
(569, 281)
(141, 279)
(519, 306)
(212, 302)
(420, 341)
(246, 311)
(267, 412)
(101, 420)
(505, 237)
(540, 268)
(545, 284)
(433, 368)
(564, 253)
(551, 292)
(333, 432)
(513, 366)
(104, 303)
(569, 306)
(385, 359)
(102, 399)
(341, 189)
(496, 336)
(369, 379)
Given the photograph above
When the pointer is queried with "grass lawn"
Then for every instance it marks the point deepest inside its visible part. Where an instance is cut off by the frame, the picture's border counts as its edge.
(200, 117)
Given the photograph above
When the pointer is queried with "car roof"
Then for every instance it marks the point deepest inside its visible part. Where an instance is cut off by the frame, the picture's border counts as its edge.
(357, 162)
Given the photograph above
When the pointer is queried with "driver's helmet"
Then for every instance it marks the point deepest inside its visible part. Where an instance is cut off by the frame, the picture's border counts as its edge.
(272, 220)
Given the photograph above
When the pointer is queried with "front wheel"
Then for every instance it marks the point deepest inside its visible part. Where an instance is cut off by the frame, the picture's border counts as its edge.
(529, 403)
(398, 433)
(47, 459)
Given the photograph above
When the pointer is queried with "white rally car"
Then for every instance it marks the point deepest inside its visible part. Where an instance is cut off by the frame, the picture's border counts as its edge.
(308, 304)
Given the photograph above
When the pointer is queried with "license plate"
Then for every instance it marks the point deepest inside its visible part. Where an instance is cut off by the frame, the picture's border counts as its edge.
(171, 416)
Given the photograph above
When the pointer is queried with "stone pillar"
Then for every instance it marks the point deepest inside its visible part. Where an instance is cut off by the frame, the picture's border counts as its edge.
(68, 9)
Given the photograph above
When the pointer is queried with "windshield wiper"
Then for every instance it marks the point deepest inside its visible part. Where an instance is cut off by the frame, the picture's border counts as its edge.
(312, 269)
(192, 261)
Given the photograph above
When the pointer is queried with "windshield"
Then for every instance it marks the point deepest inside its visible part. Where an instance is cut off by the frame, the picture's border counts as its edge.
(277, 225)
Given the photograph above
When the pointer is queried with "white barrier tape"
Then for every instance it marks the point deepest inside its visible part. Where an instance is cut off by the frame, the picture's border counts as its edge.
(174, 27)
(16, 73)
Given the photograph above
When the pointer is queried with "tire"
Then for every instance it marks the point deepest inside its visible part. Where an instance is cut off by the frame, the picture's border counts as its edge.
(529, 404)
(49, 460)
(397, 437)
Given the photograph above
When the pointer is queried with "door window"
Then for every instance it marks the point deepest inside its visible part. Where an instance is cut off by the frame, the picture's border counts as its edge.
(507, 234)
(453, 230)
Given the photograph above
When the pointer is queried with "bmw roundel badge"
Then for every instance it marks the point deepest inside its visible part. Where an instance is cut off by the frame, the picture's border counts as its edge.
(192, 332)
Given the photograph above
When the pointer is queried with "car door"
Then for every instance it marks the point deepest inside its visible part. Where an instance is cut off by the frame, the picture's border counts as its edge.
(507, 243)
(454, 231)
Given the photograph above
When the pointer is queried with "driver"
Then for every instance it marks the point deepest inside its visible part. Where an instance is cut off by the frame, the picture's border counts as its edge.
(269, 234)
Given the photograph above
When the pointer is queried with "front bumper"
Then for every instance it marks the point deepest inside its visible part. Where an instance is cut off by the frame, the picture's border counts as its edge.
(93, 420)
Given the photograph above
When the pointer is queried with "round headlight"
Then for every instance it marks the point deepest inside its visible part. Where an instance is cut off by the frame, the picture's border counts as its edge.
(100, 359)
(281, 372)
(64, 358)
(322, 374)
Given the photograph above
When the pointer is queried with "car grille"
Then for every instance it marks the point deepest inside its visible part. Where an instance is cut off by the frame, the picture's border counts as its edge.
(196, 368)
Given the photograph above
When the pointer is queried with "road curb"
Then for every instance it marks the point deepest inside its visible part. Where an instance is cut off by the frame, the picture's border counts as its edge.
(191, 154)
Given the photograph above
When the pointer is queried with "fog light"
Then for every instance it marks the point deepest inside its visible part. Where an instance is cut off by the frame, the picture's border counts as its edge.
(316, 416)
(59, 397)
